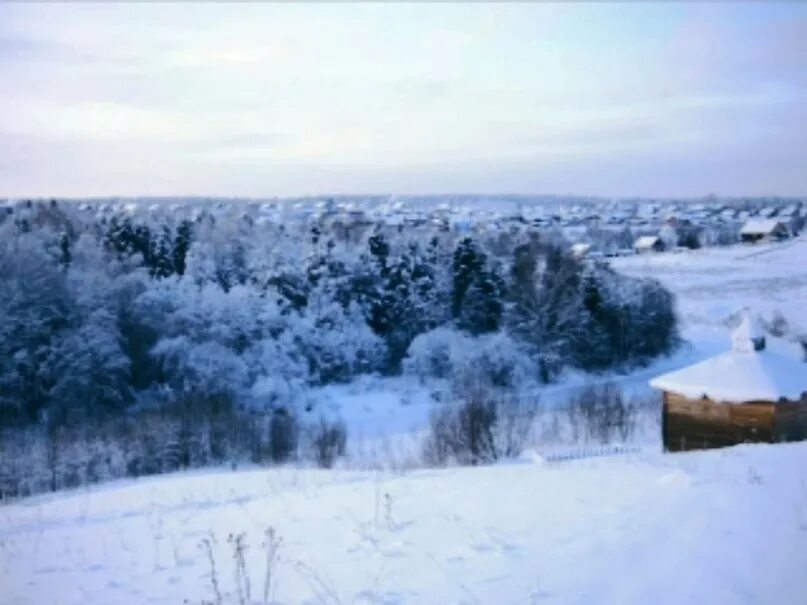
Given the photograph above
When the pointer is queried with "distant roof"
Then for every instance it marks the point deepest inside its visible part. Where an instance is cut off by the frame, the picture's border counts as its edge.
(580, 248)
(646, 241)
(746, 373)
(759, 226)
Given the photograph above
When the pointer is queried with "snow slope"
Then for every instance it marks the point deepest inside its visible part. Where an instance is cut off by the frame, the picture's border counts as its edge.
(723, 526)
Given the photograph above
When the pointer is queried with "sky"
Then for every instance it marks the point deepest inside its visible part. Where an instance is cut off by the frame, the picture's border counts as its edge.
(304, 99)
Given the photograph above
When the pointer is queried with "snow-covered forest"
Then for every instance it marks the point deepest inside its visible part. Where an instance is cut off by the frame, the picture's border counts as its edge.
(182, 326)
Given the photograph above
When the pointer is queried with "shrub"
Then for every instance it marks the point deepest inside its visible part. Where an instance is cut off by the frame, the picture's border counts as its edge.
(483, 426)
(777, 325)
(434, 354)
(337, 344)
(193, 433)
(516, 420)
(602, 414)
(463, 434)
(327, 441)
(496, 359)
(282, 435)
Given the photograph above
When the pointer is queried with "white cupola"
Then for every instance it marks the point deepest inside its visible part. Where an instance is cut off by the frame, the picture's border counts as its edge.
(748, 337)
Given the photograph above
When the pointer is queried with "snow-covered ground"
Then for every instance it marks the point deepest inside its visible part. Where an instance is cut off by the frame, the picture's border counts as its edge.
(712, 283)
(725, 526)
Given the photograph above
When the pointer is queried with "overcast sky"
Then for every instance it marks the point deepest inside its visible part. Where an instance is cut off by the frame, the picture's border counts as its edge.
(261, 100)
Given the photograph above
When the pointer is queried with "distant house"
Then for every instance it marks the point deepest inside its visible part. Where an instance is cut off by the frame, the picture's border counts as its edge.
(580, 250)
(748, 394)
(648, 243)
(756, 230)
(787, 211)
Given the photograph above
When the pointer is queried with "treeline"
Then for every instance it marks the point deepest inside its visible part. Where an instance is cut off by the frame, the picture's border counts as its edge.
(106, 314)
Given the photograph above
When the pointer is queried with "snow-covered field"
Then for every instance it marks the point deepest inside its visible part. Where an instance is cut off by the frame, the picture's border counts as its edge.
(713, 283)
(727, 526)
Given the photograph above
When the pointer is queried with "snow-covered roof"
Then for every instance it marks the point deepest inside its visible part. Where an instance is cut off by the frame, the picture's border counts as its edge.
(739, 377)
(748, 372)
(759, 226)
(580, 249)
(646, 241)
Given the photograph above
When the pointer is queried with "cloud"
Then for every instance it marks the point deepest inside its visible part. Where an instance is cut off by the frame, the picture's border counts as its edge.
(276, 99)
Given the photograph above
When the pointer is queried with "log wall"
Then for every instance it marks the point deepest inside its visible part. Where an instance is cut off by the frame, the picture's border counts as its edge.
(699, 424)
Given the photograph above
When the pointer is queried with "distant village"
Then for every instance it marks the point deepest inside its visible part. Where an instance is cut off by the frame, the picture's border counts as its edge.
(594, 227)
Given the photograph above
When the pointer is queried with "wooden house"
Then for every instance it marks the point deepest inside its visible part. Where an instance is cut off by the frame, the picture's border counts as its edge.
(748, 394)
(757, 230)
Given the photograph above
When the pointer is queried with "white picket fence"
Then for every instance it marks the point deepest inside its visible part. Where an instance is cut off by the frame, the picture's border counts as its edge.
(577, 453)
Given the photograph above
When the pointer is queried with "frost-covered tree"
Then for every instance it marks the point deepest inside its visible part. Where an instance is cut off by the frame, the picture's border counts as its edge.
(482, 305)
(182, 243)
(467, 263)
(35, 310)
(545, 304)
(476, 300)
(89, 366)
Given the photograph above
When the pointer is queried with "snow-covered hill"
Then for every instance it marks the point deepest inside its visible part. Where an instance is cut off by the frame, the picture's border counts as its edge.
(727, 526)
